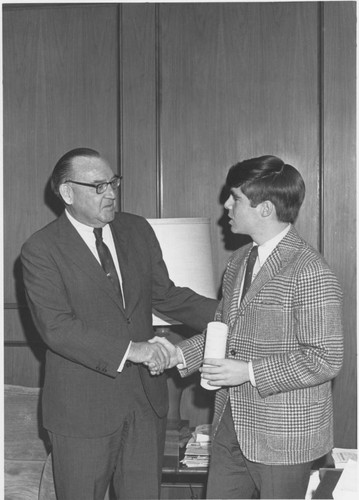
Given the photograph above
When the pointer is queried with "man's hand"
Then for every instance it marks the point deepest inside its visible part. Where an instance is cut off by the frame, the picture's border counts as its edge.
(175, 357)
(225, 372)
(152, 355)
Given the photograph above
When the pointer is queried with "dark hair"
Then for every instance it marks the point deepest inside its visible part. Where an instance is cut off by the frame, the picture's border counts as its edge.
(62, 170)
(269, 178)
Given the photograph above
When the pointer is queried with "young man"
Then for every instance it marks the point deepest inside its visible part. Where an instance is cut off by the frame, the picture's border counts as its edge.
(92, 278)
(273, 414)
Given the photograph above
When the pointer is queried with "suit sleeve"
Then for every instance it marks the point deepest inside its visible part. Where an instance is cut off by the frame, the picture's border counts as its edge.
(60, 328)
(193, 348)
(179, 303)
(317, 328)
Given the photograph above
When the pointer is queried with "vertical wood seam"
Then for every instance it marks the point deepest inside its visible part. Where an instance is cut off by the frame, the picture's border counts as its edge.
(159, 166)
(119, 144)
(321, 126)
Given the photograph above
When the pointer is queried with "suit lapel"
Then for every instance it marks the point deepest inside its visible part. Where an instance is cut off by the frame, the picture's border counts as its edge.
(279, 258)
(78, 252)
(270, 268)
(234, 300)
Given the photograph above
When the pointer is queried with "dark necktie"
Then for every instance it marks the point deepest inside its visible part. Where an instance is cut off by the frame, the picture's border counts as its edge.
(249, 270)
(106, 260)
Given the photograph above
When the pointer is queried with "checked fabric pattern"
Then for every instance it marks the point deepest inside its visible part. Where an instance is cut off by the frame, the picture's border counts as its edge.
(290, 325)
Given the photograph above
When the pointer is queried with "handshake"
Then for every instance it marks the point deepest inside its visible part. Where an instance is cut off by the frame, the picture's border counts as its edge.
(158, 354)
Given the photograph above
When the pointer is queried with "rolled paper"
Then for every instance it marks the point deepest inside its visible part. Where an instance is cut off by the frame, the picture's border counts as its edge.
(215, 346)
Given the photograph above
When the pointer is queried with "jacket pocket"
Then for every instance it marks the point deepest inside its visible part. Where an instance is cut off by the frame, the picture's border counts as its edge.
(293, 420)
(269, 321)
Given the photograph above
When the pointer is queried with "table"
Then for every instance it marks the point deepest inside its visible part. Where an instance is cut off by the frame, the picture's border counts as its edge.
(180, 482)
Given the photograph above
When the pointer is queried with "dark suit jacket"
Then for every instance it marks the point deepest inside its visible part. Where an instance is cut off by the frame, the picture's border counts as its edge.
(87, 330)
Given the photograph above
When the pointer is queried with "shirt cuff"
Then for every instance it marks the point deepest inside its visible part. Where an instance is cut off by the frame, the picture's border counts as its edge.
(251, 374)
(182, 364)
(124, 359)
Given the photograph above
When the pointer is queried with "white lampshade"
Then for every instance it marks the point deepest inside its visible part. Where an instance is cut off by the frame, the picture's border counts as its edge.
(187, 252)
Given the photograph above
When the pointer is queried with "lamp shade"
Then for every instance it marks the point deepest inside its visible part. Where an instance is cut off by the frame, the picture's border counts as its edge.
(187, 252)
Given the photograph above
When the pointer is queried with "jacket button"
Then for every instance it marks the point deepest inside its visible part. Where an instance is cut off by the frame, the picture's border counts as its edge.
(233, 352)
(128, 321)
(128, 364)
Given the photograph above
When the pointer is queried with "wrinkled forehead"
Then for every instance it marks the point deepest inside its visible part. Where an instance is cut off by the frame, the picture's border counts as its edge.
(91, 168)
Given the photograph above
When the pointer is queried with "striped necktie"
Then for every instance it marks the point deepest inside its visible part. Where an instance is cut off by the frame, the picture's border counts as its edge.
(106, 260)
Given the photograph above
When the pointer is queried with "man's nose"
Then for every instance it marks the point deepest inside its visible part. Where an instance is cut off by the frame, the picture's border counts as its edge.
(110, 192)
(228, 203)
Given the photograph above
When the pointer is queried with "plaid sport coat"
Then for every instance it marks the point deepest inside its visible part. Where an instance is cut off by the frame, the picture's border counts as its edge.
(290, 325)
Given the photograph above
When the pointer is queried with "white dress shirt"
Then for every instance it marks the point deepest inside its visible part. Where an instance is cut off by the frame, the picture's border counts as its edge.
(264, 252)
(87, 234)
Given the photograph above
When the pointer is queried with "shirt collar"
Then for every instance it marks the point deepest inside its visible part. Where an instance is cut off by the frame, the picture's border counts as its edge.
(81, 228)
(267, 248)
(84, 229)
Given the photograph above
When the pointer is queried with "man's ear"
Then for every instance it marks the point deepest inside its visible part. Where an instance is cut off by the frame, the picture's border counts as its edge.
(267, 208)
(66, 193)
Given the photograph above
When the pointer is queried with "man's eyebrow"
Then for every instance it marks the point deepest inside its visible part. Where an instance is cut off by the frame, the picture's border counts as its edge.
(103, 180)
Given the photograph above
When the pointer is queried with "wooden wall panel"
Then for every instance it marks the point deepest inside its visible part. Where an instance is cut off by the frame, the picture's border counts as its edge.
(24, 365)
(138, 109)
(237, 80)
(60, 92)
(339, 200)
(19, 327)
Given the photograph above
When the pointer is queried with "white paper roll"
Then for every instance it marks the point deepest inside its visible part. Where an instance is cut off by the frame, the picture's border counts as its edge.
(215, 346)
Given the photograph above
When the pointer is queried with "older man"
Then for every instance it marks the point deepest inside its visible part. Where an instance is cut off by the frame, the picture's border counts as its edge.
(92, 278)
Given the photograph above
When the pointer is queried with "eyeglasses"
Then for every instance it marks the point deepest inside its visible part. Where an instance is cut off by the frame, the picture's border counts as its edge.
(102, 187)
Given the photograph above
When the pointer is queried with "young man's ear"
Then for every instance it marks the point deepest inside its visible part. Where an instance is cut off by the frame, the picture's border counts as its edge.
(267, 208)
(66, 193)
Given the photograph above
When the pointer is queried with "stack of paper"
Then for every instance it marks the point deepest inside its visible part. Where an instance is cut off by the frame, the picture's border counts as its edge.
(342, 455)
(198, 449)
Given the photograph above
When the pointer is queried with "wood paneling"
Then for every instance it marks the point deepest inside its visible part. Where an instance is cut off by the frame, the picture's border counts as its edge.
(19, 327)
(24, 365)
(237, 80)
(138, 111)
(339, 194)
(60, 92)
